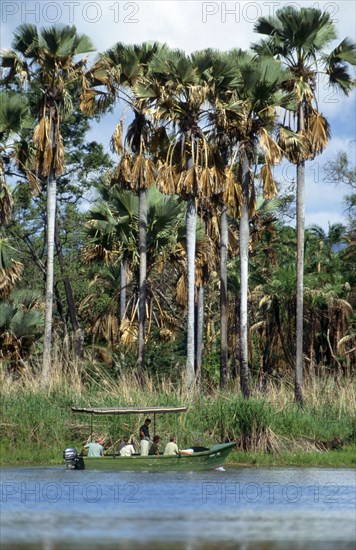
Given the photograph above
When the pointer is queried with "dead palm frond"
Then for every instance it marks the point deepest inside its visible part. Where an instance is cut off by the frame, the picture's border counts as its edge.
(6, 203)
(10, 269)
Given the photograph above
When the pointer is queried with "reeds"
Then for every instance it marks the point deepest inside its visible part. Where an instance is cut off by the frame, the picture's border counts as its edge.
(36, 425)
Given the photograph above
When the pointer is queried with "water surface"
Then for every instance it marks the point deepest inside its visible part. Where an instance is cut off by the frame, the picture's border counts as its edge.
(240, 508)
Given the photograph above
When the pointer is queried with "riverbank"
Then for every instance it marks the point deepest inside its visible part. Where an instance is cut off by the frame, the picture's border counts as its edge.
(270, 430)
(344, 458)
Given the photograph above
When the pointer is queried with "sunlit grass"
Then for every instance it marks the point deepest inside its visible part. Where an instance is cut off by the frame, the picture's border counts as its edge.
(270, 429)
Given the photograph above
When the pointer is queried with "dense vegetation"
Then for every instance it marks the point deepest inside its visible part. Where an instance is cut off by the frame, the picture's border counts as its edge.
(269, 428)
(175, 265)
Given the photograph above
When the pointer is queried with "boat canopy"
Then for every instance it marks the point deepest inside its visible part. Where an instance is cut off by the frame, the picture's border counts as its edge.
(128, 410)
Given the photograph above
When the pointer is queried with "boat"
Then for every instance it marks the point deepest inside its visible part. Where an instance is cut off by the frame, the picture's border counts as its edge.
(202, 458)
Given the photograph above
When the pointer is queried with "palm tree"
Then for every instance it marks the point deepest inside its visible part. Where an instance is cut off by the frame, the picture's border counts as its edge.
(113, 230)
(299, 38)
(118, 70)
(223, 76)
(14, 116)
(252, 112)
(175, 91)
(21, 324)
(47, 60)
(179, 90)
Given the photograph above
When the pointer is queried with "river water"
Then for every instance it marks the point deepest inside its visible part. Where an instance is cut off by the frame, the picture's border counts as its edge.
(239, 508)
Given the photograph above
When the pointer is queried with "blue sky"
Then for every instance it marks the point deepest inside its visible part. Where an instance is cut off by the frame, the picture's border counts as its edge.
(196, 24)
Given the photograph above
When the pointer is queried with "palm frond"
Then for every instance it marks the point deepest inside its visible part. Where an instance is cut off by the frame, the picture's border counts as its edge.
(319, 132)
(6, 203)
(269, 186)
(345, 51)
(10, 269)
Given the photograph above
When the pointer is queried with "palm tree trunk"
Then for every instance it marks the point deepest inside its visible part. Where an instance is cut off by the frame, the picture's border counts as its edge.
(244, 236)
(199, 338)
(51, 218)
(191, 222)
(312, 343)
(236, 339)
(142, 282)
(78, 333)
(298, 376)
(223, 296)
(123, 285)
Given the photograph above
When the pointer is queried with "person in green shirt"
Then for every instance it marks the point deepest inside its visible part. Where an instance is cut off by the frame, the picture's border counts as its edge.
(95, 448)
(154, 449)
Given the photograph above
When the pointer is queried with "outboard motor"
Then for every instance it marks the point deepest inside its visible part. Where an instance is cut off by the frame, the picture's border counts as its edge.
(73, 460)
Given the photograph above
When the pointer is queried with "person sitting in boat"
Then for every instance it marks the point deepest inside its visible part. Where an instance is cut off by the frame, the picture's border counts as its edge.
(128, 449)
(154, 449)
(121, 446)
(145, 437)
(95, 448)
(172, 448)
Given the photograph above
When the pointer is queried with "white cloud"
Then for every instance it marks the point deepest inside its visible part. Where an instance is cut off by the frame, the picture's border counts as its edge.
(323, 218)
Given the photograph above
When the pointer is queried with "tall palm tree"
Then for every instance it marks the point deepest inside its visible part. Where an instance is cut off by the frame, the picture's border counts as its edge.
(179, 93)
(299, 38)
(223, 76)
(253, 113)
(47, 59)
(118, 70)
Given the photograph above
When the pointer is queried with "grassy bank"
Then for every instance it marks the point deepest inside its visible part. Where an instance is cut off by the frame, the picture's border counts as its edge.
(269, 428)
(342, 458)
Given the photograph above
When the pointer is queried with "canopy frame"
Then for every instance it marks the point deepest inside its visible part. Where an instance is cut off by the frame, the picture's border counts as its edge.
(127, 410)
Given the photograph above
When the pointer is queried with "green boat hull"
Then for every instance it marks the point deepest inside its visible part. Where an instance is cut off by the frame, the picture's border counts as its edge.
(213, 458)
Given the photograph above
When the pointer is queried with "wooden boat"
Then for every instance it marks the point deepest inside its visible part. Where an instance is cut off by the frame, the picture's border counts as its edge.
(202, 458)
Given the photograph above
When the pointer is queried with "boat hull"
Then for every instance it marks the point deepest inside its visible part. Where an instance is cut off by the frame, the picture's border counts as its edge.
(215, 457)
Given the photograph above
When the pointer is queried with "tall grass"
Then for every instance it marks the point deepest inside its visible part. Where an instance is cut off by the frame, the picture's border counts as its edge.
(37, 425)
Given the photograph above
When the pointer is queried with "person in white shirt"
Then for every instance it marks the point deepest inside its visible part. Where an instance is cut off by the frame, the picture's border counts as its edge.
(172, 448)
(128, 449)
(145, 438)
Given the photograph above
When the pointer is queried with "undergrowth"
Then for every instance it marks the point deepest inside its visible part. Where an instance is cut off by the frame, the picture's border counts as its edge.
(269, 428)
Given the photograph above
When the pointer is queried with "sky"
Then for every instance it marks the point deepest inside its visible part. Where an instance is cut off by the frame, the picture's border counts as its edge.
(193, 25)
